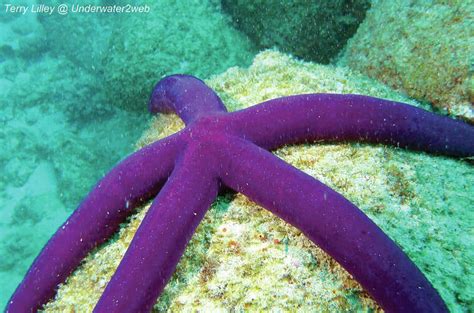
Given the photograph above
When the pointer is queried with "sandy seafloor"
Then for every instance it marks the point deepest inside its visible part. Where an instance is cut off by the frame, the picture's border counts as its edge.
(62, 120)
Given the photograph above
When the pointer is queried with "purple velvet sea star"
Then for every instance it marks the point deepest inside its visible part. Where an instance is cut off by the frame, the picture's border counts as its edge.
(185, 171)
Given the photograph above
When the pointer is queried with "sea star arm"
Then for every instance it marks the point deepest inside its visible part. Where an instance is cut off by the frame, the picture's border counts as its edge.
(334, 224)
(161, 238)
(185, 95)
(335, 117)
(132, 182)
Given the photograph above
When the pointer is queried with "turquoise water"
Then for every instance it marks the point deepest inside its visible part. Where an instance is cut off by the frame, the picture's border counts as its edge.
(75, 79)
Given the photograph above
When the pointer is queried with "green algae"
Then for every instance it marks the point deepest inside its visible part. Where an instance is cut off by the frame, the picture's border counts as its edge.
(242, 258)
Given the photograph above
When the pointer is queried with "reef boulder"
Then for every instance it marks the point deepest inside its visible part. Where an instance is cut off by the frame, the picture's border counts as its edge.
(422, 48)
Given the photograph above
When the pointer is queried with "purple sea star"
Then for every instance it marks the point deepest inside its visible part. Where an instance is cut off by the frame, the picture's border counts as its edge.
(185, 171)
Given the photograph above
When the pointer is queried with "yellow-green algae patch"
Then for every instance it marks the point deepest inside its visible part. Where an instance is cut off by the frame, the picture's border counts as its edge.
(422, 47)
(242, 258)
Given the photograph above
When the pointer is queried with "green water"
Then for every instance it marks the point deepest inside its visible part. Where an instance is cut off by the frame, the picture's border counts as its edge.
(75, 80)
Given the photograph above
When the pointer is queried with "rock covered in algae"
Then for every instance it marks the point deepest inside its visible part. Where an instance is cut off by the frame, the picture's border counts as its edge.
(313, 30)
(423, 48)
(243, 258)
(173, 37)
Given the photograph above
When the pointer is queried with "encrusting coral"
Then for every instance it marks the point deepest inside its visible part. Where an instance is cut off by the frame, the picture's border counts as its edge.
(243, 257)
(422, 48)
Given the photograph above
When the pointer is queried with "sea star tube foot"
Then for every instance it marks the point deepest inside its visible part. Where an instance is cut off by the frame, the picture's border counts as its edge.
(216, 146)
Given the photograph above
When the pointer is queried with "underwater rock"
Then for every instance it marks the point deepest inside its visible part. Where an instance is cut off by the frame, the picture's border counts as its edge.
(244, 258)
(313, 30)
(50, 92)
(81, 38)
(174, 37)
(422, 48)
